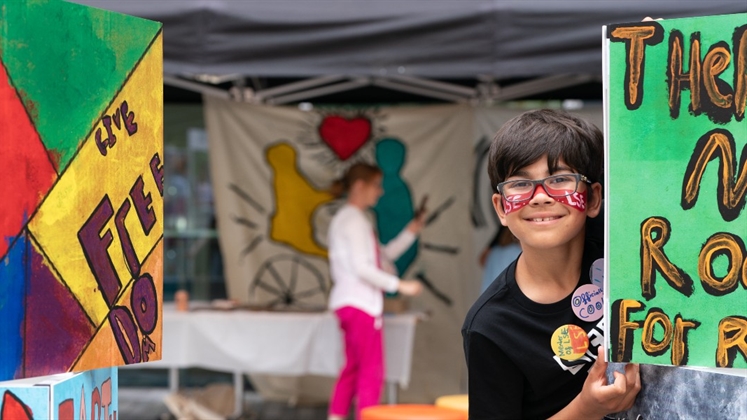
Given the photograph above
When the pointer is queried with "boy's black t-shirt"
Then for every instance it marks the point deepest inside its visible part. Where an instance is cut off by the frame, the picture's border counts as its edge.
(513, 372)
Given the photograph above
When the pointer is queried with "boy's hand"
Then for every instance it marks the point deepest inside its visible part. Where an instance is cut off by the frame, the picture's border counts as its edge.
(601, 398)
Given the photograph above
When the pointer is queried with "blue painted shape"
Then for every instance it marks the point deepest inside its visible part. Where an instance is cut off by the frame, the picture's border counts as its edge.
(83, 389)
(12, 296)
(395, 208)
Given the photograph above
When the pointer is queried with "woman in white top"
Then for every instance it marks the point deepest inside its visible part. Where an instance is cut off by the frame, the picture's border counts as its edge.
(359, 283)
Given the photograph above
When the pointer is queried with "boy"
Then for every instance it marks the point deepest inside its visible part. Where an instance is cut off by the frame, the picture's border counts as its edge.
(546, 167)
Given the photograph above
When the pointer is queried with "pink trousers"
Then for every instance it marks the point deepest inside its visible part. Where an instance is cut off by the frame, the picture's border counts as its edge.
(363, 374)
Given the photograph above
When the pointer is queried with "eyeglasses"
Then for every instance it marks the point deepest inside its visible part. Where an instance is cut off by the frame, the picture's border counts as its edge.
(555, 186)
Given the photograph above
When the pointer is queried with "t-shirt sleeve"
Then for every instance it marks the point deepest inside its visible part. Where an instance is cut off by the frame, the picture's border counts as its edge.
(496, 385)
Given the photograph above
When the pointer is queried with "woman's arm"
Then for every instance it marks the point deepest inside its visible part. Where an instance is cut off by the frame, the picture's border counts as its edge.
(405, 238)
(397, 246)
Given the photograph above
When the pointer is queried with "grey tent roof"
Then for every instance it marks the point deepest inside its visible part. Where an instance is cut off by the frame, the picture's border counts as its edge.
(428, 38)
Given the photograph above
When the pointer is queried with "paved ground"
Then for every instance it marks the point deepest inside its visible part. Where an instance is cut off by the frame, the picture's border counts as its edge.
(142, 393)
(147, 404)
(142, 404)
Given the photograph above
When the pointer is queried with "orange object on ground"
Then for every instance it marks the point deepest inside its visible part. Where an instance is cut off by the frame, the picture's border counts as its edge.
(457, 402)
(411, 412)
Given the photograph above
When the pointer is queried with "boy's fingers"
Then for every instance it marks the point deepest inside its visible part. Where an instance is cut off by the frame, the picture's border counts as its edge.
(621, 383)
(599, 368)
(638, 377)
(633, 378)
(635, 384)
(600, 365)
(628, 387)
(632, 373)
(614, 391)
(600, 355)
(628, 401)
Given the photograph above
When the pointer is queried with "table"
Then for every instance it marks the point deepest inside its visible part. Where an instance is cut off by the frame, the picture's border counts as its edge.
(277, 343)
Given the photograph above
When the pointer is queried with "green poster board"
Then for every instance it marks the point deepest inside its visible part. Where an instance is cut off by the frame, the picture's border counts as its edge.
(676, 262)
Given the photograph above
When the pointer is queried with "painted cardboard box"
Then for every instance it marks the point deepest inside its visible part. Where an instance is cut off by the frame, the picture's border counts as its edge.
(87, 395)
(81, 188)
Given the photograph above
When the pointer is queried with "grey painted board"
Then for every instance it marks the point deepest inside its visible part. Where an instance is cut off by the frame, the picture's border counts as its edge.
(678, 393)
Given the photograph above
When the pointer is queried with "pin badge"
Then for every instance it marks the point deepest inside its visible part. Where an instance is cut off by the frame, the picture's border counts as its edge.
(569, 342)
(588, 303)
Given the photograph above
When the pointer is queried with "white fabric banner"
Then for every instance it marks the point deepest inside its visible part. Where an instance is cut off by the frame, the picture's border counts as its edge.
(271, 167)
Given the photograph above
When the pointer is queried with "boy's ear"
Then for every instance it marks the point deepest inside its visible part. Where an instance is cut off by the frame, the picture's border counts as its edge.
(498, 206)
(595, 204)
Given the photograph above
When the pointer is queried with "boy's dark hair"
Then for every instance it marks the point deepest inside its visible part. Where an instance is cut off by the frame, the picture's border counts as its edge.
(527, 137)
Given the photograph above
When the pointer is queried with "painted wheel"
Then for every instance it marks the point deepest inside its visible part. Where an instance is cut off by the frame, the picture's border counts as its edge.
(288, 282)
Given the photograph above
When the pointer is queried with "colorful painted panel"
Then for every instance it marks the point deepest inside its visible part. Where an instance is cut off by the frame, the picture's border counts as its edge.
(677, 178)
(87, 395)
(81, 176)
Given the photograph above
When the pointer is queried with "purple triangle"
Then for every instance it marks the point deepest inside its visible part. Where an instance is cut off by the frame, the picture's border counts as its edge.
(57, 328)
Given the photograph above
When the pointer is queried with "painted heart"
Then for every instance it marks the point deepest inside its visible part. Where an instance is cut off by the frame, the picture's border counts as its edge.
(344, 136)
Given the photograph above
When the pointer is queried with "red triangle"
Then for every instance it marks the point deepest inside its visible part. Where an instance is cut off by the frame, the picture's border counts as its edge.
(14, 408)
(26, 172)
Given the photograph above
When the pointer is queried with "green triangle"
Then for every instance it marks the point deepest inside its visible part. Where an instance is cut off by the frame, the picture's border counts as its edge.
(67, 62)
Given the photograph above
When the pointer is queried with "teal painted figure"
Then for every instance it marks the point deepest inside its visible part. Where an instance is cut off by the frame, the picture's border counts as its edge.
(395, 208)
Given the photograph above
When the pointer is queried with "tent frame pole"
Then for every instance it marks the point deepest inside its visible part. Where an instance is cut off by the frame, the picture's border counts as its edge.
(486, 92)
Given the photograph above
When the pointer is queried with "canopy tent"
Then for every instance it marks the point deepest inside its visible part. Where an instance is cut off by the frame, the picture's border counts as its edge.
(394, 44)
(416, 45)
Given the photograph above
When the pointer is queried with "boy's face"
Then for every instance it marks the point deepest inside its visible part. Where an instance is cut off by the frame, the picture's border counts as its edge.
(545, 222)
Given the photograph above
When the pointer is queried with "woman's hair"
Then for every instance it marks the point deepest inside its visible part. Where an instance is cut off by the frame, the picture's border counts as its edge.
(358, 171)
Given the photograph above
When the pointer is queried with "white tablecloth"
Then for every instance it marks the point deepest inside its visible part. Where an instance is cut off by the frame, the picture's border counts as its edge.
(274, 343)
